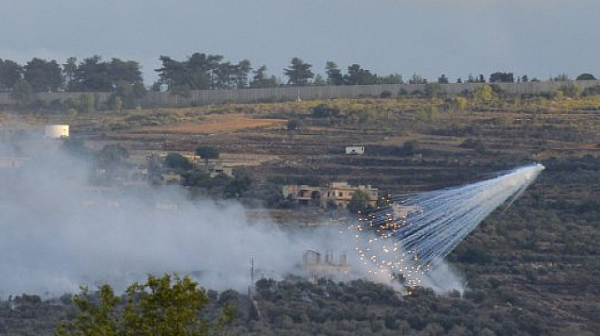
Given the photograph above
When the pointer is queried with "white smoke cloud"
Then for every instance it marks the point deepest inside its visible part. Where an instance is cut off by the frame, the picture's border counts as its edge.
(58, 233)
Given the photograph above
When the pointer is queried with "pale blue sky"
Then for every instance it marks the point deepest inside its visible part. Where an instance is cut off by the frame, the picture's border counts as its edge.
(539, 38)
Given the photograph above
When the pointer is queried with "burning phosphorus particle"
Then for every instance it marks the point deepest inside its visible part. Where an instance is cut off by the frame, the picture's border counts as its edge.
(408, 236)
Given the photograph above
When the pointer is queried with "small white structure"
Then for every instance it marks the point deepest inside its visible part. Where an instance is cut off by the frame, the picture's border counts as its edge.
(56, 131)
(355, 150)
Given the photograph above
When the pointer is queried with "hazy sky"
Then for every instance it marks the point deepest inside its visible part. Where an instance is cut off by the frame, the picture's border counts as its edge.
(429, 37)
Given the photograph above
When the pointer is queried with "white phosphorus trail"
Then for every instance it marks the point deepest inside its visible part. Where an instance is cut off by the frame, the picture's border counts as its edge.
(409, 236)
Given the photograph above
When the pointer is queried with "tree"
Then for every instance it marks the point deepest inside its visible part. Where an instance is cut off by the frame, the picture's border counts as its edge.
(22, 92)
(93, 76)
(261, 80)
(298, 73)
(116, 104)
(242, 70)
(334, 74)
(44, 76)
(358, 76)
(178, 162)
(112, 155)
(162, 306)
(416, 79)
(432, 90)
(207, 153)
(411, 147)
(390, 79)
(359, 202)
(502, 77)
(483, 93)
(571, 90)
(124, 71)
(561, 78)
(459, 103)
(86, 103)
(10, 73)
(70, 73)
(585, 76)
(319, 81)
(236, 187)
(129, 93)
(293, 125)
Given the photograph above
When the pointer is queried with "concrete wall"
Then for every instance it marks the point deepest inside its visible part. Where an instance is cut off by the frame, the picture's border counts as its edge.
(208, 97)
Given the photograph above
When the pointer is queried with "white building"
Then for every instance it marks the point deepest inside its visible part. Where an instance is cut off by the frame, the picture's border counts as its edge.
(355, 150)
(56, 131)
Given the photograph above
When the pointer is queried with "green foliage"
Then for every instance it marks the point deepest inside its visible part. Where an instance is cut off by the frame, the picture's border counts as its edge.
(325, 111)
(359, 202)
(476, 145)
(202, 72)
(571, 90)
(116, 104)
(358, 76)
(417, 79)
(298, 72)
(112, 155)
(427, 114)
(502, 77)
(237, 187)
(411, 147)
(483, 94)
(385, 95)
(459, 103)
(177, 162)
(162, 306)
(207, 152)
(433, 90)
(261, 80)
(334, 74)
(293, 125)
(474, 256)
(10, 74)
(95, 75)
(22, 92)
(44, 76)
(591, 91)
(86, 103)
(585, 76)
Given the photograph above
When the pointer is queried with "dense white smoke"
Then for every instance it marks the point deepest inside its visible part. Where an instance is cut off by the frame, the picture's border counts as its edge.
(58, 233)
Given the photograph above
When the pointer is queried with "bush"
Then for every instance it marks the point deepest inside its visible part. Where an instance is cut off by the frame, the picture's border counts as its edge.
(325, 111)
(571, 90)
(385, 94)
(293, 125)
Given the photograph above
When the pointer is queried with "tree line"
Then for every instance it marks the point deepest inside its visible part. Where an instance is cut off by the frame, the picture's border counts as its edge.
(202, 72)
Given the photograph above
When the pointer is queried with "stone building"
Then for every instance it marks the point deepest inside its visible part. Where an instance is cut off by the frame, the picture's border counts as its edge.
(336, 193)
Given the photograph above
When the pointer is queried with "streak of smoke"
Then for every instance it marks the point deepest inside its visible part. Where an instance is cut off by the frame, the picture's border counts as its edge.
(413, 235)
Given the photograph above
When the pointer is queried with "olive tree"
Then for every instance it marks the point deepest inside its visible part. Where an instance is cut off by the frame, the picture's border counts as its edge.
(162, 306)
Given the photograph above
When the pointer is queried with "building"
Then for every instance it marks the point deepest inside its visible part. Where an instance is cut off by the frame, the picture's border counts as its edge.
(336, 193)
(328, 268)
(56, 131)
(215, 169)
(355, 150)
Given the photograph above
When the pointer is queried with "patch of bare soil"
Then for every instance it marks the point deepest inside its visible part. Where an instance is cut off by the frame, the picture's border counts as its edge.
(221, 123)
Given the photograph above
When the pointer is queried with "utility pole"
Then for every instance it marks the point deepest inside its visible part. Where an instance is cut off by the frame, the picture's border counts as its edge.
(251, 288)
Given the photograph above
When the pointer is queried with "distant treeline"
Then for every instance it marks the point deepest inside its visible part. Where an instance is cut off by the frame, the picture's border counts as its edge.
(201, 72)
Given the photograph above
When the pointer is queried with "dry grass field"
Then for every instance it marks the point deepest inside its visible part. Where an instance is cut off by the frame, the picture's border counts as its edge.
(214, 123)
